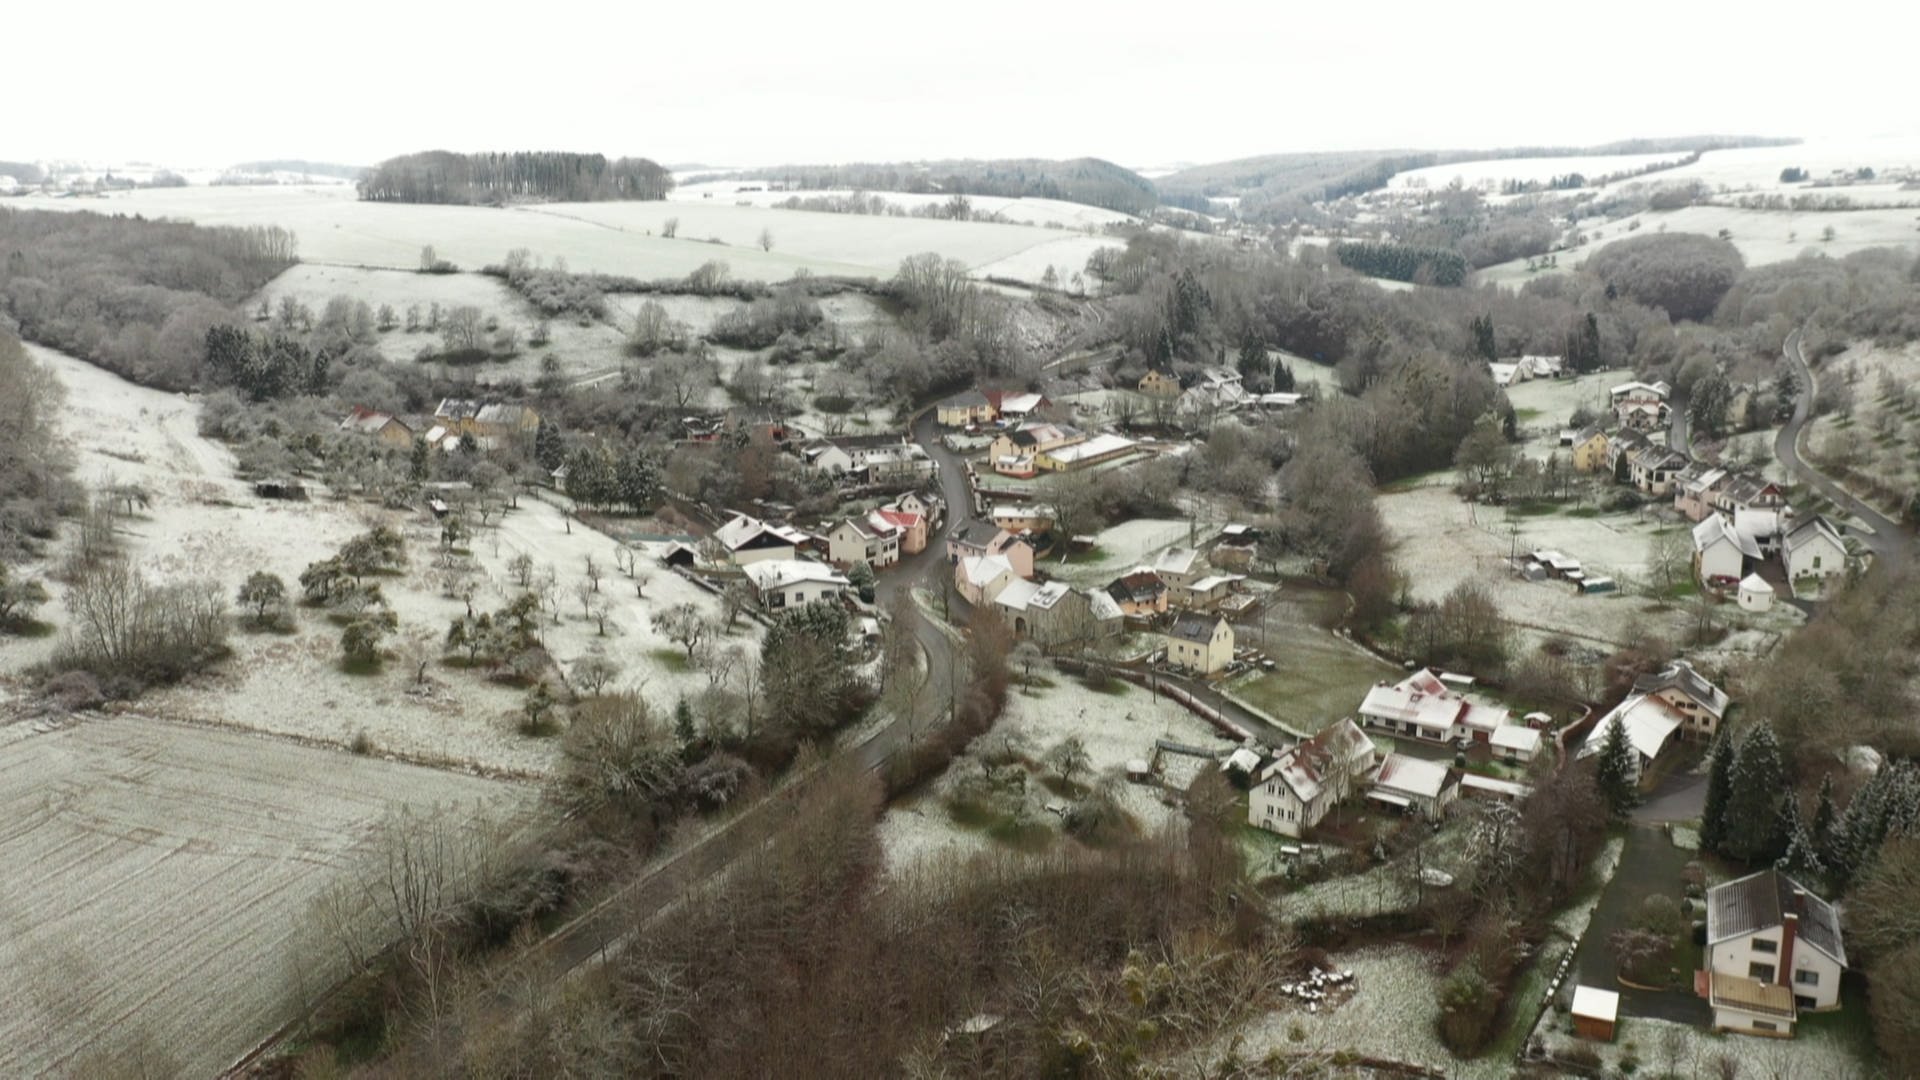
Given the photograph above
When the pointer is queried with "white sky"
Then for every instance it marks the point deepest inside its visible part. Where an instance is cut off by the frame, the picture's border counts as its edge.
(205, 83)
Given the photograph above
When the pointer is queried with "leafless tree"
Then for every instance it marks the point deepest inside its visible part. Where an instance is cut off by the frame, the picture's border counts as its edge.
(594, 572)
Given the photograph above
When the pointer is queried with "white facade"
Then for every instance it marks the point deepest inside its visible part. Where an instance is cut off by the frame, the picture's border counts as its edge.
(1814, 549)
(783, 584)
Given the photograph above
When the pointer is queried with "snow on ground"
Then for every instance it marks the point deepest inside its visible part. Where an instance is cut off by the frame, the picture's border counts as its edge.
(1066, 255)
(1877, 434)
(1816, 1050)
(1543, 406)
(1491, 174)
(1758, 167)
(1114, 728)
(332, 225)
(1069, 215)
(1125, 546)
(159, 878)
(1440, 546)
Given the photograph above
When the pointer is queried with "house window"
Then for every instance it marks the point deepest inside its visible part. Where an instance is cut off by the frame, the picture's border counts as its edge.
(1765, 1025)
(1763, 945)
(1804, 977)
(1804, 1002)
(1816, 562)
(1760, 972)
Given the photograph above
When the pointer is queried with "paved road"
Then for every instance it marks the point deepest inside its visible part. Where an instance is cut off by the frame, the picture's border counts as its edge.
(1889, 542)
(1649, 864)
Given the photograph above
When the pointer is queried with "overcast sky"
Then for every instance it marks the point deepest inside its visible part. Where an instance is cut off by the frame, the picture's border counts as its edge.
(191, 83)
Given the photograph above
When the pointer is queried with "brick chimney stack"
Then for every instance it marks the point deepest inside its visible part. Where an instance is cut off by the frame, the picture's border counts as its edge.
(1789, 935)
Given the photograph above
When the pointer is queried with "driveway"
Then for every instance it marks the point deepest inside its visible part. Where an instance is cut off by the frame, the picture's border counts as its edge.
(1650, 864)
(1680, 796)
(1885, 538)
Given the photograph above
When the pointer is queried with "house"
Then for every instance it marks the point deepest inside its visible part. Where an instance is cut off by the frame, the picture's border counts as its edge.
(1653, 468)
(1525, 369)
(979, 578)
(1016, 404)
(1294, 792)
(1035, 517)
(1414, 784)
(1622, 443)
(1694, 489)
(845, 453)
(1515, 744)
(493, 420)
(1589, 449)
(1641, 406)
(1139, 591)
(1596, 1012)
(1814, 549)
(911, 527)
(1159, 384)
(1720, 553)
(1748, 493)
(1179, 566)
(1200, 643)
(1650, 723)
(1031, 440)
(1018, 466)
(1050, 615)
(1765, 526)
(1206, 593)
(1425, 706)
(926, 504)
(388, 429)
(750, 540)
(785, 583)
(984, 538)
(1755, 594)
(1236, 548)
(856, 540)
(962, 409)
(1700, 704)
(1079, 455)
(1215, 390)
(1773, 951)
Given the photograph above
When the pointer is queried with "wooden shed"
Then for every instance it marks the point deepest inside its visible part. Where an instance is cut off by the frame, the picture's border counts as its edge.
(1595, 1012)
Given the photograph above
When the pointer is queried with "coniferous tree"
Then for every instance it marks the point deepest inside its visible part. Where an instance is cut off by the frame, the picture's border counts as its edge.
(547, 446)
(683, 723)
(1825, 818)
(1713, 820)
(1802, 857)
(1484, 341)
(1614, 772)
(1753, 818)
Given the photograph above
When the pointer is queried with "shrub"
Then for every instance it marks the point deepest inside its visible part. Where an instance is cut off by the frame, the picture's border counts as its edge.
(1468, 1004)
(73, 691)
(362, 743)
(128, 628)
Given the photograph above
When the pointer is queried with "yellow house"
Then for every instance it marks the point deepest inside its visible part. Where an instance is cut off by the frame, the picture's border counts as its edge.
(1590, 450)
(1200, 643)
(1162, 384)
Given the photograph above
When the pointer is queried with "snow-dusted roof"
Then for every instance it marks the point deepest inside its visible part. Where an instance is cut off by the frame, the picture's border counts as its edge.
(1649, 722)
(1214, 581)
(981, 570)
(1680, 675)
(1104, 606)
(1192, 627)
(1022, 513)
(1412, 776)
(1754, 583)
(1098, 446)
(1593, 1003)
(779, 573)
(1515, 737)
(1426, 701)
(1306, 767)
(1176, 560)
(1814, 530)
(1713, 530)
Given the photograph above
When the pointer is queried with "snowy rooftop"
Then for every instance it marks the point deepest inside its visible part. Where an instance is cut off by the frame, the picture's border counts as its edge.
(1649, 721)
(777, 573)
(1098, 446)
(1593, 1003)
(1412, 776)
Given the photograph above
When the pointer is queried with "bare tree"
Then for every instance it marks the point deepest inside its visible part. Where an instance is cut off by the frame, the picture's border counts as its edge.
(592, 673)
(684, 624)
(594, 572)
(766, 240)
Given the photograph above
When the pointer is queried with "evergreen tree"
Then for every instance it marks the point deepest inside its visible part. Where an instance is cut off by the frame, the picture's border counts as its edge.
(1283, 381)
(1825, 818)
(683, 723)
(417, 464)
(1484, 341)
(1253, 358)
(1713, 820)
(1614, 773)
(1753, 802)
(1802, 858)
(547, 446)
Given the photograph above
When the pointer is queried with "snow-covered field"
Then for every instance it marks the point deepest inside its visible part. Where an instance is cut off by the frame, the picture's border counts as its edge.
(1492, 174)
(1114, 728)
(1069, 215)
(1125, 546)
(617, 238)
(1758, 167)
(204, 523)
(158, 881)
(1545, 405)
(1877, 435)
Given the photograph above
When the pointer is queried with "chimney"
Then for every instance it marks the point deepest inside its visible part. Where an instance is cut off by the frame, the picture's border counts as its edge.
(1789, 934)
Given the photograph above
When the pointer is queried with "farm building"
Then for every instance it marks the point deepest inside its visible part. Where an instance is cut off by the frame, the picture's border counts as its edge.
(1515, 744)
(1414, 784)
(388, 429)
(1650, 725)
(1425, 706)
(747, 540)
(1159, 384)
(1049, 615)
(1079, 455)
(1596, 1012)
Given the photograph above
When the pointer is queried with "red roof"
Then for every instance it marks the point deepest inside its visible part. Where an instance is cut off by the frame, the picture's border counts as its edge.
(899, 519)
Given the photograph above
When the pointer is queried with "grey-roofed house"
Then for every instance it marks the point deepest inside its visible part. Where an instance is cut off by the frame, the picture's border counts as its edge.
(1774, 950)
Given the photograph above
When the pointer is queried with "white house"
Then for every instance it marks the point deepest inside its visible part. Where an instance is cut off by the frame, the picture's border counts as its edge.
(1515, 744)
(1814, 549)
(1650, 724)
(872, 540)
(784, 584)
(1200, 643)
(1414, 784)
(1773, 951)
(1295, 791)
(1755, 594)
(750, 540)
(979, 578)
(1699, 703)
(1179, 566)
(1425, 706)
(1720, 552)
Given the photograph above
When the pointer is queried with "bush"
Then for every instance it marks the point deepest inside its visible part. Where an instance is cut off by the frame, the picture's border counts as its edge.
(1468, 1004)
(73, 691)
(128, 628)
(362, 743)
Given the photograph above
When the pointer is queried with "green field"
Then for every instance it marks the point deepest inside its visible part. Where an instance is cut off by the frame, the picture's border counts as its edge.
(1317, 677)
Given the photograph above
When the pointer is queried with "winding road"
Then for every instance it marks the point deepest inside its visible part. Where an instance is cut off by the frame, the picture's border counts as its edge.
(1889, 542)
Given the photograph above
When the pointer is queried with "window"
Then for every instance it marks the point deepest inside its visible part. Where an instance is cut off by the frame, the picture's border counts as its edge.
(1805, 977)
(1804, 1002)
(1816, 562)
(1763, 945)
(1760, 972)
(1765, 1025)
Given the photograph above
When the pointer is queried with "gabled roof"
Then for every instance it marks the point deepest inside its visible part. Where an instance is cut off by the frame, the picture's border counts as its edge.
(1743, 490)
(965, 399)
(1588, 434)
(1425, 700)
(1306, 767)
(368, 421)
(1761, 901)
(1139, 585)
(982, 570)
(1714, 530)
(1515, 737)
(1811, 531)
(1754, 583)
(744, 530)
(456, 409)
(779, 573)
(1176, 560)
(1681, 677)
(1649, 723)
(1023, 595)
(899, 519)
(1098, 446)
(1192, 627)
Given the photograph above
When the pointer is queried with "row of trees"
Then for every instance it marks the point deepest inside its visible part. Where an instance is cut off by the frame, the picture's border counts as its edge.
(440, 176)
(1403, 262)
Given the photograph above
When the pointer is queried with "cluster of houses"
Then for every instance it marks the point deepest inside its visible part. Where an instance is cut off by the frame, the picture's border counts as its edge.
(1742, 522)
(486, 424)
(784, 564)
(1672, 705)
(1210, 392)
(1035, 447)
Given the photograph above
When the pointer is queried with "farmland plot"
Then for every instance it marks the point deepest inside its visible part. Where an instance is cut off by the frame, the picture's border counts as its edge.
(158, 884)
(1491, 174)
(1042, 212)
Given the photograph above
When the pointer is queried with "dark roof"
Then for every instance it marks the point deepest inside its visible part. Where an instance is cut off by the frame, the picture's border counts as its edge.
(1682, 677)
(1194, 627)
(1138, 587)
(965, 399)
(976, 533)
(852, 442)
(1761, 901)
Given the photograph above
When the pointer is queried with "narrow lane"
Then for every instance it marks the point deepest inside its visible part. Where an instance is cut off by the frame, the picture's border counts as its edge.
(1889, 542)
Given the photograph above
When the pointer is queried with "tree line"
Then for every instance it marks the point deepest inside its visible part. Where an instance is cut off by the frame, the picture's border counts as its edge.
(135, 296)
(1083, 180)
(442, 176)
(1404, 262)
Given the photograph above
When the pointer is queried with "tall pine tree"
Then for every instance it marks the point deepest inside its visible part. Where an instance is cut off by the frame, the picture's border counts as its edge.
(1825, 818)
(1753, 803)
(1614, 772)
(1713, 820)
(1802, 858)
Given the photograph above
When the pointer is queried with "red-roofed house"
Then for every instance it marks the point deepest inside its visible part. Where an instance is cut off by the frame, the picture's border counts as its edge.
(1294, 793)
